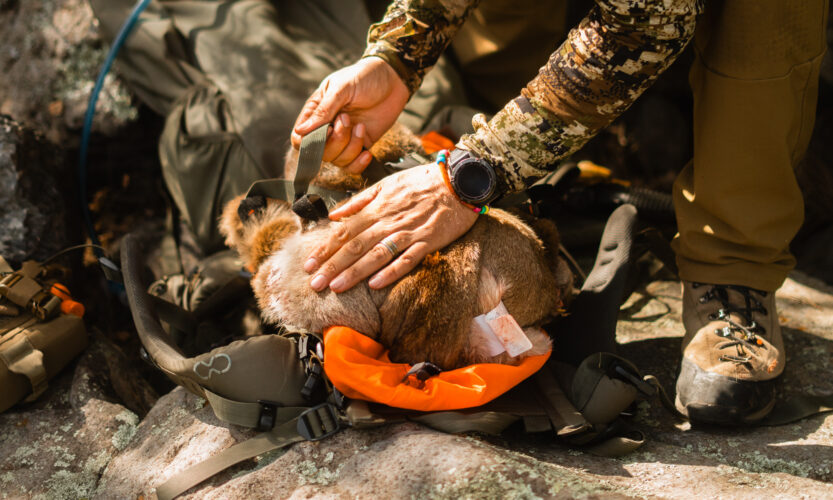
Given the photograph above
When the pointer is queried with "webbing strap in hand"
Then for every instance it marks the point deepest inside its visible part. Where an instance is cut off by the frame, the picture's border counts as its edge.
(309, 158)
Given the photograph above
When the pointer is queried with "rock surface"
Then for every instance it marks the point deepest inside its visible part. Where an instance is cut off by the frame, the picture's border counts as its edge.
(50, 55)
(58, 447)
(33, 219)
(80, 443)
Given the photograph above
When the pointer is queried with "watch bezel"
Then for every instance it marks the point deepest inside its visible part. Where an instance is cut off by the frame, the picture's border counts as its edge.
(463, 158)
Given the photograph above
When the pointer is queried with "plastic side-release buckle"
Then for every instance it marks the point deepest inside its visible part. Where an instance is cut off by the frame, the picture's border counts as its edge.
(422, 372)
(310, 354)
(268, 415)
(315, 377)
(318, 422)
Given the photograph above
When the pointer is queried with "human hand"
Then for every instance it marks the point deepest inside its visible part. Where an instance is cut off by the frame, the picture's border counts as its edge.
(413, 208)
(363, 100)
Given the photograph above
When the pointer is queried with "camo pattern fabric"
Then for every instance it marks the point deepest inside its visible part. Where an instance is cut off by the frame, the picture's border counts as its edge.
(414, 33)
(605, 64)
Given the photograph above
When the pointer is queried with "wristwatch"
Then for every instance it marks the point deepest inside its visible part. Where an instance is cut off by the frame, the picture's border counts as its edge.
(473, 179)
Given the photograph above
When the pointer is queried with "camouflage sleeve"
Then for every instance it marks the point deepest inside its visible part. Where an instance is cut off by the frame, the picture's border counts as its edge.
(615, 53)
(414, 33)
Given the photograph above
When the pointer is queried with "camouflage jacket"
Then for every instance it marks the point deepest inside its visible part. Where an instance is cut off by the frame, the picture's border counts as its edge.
(606, 62)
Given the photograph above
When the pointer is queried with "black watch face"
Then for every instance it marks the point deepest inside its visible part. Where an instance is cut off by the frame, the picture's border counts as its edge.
(474, 181)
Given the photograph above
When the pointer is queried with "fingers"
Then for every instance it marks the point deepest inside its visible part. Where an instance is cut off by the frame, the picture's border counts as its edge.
(342, 234)
(361, 162)
(353, 149)
(370, 258)
(339, 138)
(310, 106)
(356, 203)
(346, 142)
(322, 107)
(333, 98)
(347, 245)
(401, 266)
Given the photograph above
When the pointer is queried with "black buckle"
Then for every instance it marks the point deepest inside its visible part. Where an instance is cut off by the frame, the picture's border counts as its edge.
(310, 207)
(249, 206)
(313, 381)
(268, 415)
(422, 372)
(307, 345)
(318, 422)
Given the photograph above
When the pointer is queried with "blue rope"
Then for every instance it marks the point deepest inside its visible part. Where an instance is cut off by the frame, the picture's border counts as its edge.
(124, 32)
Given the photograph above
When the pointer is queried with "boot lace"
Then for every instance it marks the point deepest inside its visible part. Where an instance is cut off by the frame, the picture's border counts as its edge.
(745, 336)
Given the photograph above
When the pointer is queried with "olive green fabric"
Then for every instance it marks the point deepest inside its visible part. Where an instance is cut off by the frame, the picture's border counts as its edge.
(503, 43)
(231, 76)
(755, 84)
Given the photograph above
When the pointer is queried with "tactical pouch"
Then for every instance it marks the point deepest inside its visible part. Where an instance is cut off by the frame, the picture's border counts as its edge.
(36, 339)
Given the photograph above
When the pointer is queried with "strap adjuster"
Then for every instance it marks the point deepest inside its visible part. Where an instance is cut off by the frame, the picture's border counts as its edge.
(318, 422)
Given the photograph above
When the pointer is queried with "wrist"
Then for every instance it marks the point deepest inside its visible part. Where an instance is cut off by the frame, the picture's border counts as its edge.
(472, 181)
(411, 80)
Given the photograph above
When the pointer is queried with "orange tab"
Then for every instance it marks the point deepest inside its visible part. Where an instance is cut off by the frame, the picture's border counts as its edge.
(68, 305)
(435, 141)
(359, 368)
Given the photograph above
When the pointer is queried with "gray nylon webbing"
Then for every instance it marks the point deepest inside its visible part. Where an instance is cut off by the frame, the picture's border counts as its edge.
(309, 158)
(566, 419)
(279, 437)
(282, 189)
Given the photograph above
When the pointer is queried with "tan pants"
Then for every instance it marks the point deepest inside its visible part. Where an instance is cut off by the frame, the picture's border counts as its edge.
(755, 84)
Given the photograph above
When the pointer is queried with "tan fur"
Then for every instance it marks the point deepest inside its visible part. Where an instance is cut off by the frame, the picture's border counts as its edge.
(425, 316)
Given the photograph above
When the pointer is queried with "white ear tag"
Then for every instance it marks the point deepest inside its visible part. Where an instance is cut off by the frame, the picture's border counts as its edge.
(503, 333)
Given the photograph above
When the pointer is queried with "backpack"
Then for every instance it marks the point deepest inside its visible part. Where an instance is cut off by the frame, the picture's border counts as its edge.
(276, 382)
(41, 331)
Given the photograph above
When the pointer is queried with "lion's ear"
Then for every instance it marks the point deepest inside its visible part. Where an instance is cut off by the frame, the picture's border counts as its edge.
(231, 225)
(256, 227)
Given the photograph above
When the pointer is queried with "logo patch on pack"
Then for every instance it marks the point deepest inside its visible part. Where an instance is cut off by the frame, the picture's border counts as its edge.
(502, 332)
(217, 364)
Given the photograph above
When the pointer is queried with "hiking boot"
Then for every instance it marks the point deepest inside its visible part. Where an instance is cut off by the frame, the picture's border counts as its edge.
(732, 351)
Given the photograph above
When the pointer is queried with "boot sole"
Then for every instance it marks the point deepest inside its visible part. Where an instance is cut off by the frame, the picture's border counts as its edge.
(717, 399)
(720, 415)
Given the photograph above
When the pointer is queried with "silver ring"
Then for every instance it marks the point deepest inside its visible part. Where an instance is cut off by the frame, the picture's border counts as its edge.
(390, 245)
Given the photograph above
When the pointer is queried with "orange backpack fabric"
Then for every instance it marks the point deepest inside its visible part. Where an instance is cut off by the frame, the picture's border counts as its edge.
(359, 368)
